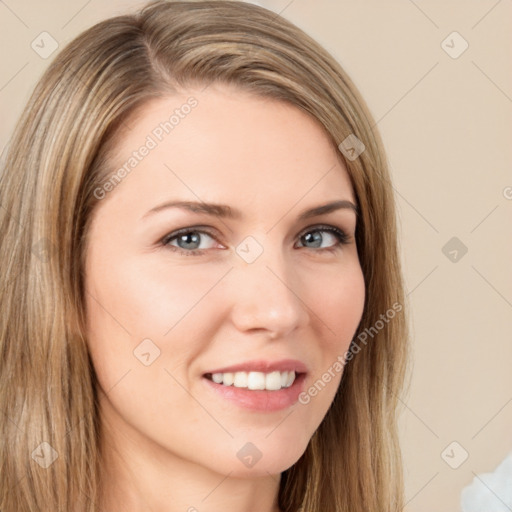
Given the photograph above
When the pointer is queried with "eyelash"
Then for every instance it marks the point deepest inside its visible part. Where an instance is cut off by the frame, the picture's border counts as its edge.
(342, 237)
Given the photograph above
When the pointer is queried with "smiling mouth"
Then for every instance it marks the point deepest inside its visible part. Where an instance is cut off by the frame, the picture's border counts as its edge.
(269, 381)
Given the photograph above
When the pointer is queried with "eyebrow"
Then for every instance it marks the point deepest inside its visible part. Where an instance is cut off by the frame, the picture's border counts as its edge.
(225, 211)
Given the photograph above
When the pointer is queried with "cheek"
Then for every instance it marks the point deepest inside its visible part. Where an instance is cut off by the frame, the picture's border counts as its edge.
(130, 302)
(148, 297)
(339, 304)
(145, 327)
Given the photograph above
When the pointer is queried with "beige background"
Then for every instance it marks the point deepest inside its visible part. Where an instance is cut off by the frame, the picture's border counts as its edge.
(446, 123)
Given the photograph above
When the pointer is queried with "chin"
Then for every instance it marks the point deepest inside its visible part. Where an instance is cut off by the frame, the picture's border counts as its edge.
(259, 470)
(251, 464)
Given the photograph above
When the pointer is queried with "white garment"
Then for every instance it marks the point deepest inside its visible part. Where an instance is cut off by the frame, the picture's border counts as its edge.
(490, 492)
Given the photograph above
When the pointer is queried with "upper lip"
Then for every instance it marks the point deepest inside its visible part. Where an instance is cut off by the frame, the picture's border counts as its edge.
(283, 365)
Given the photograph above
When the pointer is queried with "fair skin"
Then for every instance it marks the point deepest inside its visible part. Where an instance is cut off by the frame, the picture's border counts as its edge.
(170, 443)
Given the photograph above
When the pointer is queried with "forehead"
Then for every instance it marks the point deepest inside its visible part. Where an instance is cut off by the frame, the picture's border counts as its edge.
(223, 144)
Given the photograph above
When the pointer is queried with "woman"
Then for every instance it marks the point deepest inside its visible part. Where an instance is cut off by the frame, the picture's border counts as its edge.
(261, 374)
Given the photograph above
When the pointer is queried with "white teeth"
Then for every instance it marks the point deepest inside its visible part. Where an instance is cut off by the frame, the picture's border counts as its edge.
(227, 378)
(272, 381)
(256, 380)
(240, 380)
(217, 377)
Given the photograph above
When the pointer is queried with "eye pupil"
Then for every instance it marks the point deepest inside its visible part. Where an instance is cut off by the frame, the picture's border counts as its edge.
(190, 240)
(314, 237)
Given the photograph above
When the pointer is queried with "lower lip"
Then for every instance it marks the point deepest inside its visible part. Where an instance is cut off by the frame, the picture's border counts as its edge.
(260, 400)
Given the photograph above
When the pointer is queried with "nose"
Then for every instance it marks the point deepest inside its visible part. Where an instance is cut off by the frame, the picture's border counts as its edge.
(267, 297)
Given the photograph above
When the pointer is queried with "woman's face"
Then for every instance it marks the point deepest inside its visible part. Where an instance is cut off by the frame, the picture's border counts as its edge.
(263, 283)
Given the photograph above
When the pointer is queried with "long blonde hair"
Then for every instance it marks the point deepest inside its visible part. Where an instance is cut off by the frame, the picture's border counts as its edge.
(58, 156)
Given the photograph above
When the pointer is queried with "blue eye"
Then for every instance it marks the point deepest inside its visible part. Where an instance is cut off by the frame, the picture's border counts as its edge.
(188, 241)
(329, 235)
